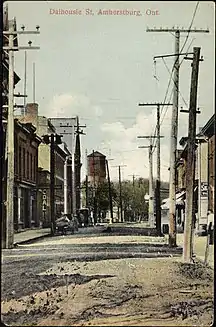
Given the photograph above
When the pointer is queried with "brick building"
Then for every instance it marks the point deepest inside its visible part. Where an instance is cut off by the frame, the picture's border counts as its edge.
(25, 175)
(44, 126)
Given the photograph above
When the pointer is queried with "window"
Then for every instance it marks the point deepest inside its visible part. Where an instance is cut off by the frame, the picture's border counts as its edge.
(27, 165)
(20, 162)
(32, 167)
(24, 163)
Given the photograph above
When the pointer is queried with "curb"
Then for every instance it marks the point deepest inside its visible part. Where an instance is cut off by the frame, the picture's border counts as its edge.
(31, 239)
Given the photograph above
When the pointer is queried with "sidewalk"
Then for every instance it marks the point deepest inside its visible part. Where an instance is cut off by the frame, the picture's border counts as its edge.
(199, 248)
(31, 234)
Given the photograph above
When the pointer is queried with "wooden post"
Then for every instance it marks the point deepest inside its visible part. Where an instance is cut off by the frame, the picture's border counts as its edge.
(190, 166)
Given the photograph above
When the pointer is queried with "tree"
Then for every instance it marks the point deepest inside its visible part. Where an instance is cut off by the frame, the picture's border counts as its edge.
(133, 194)
(101, 195)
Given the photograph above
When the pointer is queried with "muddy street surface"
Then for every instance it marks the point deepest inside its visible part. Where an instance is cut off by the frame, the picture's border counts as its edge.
(104, 280)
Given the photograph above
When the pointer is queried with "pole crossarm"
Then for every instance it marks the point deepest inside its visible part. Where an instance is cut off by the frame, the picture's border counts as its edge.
(20, 32)
(119, 166)
(182, 30)
(187, 111)
(155, 104)
(172, 55)
(20, 96)
(149, 137)
(21, 48)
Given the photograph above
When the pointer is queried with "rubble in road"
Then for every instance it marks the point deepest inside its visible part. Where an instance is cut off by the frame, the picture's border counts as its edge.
(157, 292)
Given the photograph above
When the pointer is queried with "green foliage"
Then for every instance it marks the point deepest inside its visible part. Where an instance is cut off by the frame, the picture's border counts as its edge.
(101, 194)
(133, 197)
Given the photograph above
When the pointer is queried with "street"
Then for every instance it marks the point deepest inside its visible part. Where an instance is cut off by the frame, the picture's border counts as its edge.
(96, 278)
(108, 154)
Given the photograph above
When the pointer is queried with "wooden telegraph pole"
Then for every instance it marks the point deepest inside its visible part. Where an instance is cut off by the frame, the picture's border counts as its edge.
(120, 191)
(110, 191)
(174, 126)
(52, 183)
(151, 193)
(12, 36)
(134, 211)
(94, 192)
(158, 178)
(120, 194)
(190, 166)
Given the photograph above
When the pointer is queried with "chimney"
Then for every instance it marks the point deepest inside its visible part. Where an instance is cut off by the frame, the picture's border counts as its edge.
(31, 114)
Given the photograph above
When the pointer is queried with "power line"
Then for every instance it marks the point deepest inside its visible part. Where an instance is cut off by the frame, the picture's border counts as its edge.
(173, 80)
(172, 90)
(194, 14)
(179, 67)
(189, 29)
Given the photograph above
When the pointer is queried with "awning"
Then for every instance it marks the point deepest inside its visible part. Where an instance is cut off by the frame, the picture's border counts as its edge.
(179, 200)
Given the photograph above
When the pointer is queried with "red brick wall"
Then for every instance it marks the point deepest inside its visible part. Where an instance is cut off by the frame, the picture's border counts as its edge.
(26, 158)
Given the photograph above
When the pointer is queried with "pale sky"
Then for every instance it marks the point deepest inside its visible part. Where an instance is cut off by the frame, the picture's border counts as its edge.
(101, 66)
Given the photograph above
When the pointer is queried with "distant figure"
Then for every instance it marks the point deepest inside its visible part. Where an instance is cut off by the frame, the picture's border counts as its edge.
(210, 218)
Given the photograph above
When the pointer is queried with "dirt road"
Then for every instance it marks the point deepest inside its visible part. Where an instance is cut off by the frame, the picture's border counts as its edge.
(49, 290)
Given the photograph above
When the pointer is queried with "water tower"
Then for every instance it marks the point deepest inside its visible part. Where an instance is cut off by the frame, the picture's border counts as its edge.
(96, 168)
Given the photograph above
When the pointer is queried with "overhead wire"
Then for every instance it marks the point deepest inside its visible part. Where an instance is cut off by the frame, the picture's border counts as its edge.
(172, 89)
(171, 73)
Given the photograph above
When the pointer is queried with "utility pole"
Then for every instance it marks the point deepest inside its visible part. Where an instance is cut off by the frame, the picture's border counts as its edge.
(190, 166)
(151, 195)
(174, 127)
(25, 80)
(120, 191)
(71, 125)
(87, 203)
(151, 204)
(158, 178)
(133, 176)
(65, 186)
(78, 164)
(12, 36)
(110, 191)
(120, 194)
(94, 192)
(1, 119)
(52, 183)
(86, 154)
(10, 138)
